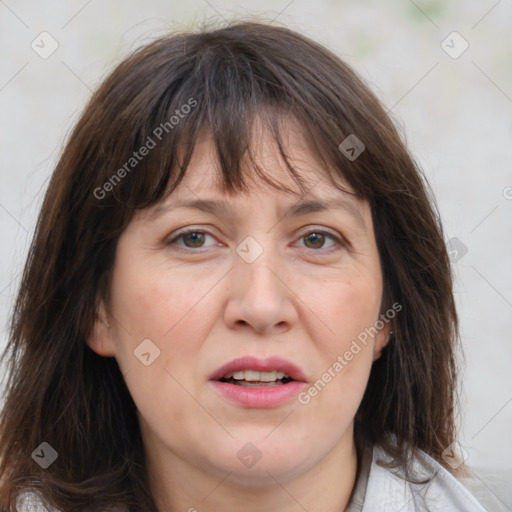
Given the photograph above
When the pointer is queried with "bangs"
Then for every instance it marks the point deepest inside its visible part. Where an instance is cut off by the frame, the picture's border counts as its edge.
(221, 88)
(235, 145)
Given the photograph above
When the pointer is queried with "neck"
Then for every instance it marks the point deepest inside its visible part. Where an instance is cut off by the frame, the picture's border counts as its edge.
(178, 486)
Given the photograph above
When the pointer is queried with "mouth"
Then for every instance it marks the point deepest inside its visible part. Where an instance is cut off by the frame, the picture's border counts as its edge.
(253, 371)
(258, 383)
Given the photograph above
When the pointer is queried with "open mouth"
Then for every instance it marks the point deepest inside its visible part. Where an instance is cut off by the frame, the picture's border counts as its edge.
(253, 382)
(256, 379)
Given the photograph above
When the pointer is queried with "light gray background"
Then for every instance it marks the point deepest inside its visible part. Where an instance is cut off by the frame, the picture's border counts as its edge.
(456, 113)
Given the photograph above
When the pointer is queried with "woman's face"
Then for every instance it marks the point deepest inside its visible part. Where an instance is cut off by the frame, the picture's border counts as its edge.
(291, 291)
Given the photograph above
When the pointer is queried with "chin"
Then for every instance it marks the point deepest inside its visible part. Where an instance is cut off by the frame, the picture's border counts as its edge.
(263, 461)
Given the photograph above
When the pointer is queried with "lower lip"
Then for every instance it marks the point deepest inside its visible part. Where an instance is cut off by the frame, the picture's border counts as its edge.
(264, 397)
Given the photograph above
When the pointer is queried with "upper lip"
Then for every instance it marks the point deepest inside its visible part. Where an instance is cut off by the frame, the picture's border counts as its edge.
(261, 365)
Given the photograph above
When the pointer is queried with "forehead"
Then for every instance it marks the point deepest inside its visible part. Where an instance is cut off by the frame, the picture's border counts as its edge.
(265, 156)
(320, 188)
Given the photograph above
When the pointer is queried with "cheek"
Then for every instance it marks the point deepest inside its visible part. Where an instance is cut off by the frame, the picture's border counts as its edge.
(348, 310)
(347, 307)
(158, 301)
(176, 312)
(171, 307)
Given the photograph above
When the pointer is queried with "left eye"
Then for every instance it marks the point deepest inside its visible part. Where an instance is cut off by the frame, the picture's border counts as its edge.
(317, 239)
(194, 239)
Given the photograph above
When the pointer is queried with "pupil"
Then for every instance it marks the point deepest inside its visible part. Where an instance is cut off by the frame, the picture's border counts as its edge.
(194, 235)
(317, 239)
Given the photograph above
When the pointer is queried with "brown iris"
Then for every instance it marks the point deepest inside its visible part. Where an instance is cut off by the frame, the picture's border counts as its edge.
(196, 237)
(318, 240)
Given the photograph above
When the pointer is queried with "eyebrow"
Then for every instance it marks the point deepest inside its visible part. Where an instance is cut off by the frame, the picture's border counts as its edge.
(303, 207)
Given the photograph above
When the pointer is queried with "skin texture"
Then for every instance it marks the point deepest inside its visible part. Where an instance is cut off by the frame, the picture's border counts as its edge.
(203, 306)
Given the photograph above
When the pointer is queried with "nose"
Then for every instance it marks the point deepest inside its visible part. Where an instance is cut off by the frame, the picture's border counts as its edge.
(261, 296)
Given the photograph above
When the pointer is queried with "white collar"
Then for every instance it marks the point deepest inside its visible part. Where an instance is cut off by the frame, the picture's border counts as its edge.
(380, 489)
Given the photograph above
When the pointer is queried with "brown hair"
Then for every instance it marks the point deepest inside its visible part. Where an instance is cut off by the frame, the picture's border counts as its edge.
(61, 392)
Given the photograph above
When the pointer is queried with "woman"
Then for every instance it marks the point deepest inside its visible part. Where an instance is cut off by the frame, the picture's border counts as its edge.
(237, 297)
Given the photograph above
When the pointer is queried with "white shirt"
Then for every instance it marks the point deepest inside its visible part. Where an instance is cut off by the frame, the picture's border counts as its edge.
(380, 489)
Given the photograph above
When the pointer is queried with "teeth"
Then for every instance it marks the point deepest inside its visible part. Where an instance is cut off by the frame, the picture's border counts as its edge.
(268, 376)
(252, 375)
(255, 376)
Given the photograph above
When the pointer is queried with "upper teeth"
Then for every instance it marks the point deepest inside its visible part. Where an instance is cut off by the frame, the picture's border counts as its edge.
(253, 375)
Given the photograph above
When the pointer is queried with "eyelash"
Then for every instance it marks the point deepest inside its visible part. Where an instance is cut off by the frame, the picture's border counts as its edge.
(339, 242)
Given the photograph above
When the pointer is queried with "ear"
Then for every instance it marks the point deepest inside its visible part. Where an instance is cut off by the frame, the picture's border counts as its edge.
(101, 338)
(382, 338)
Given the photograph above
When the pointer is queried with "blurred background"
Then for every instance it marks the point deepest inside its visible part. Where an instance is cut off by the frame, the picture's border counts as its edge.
(443, 69)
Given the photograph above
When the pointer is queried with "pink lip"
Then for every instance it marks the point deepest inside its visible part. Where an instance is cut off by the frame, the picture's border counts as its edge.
(264, 397)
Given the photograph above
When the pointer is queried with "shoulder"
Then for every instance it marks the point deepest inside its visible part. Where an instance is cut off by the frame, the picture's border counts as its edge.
(426, 487)
(31, 502)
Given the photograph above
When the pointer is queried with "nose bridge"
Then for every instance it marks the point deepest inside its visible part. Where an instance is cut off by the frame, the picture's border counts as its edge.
(254, 262)
(259, 296)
